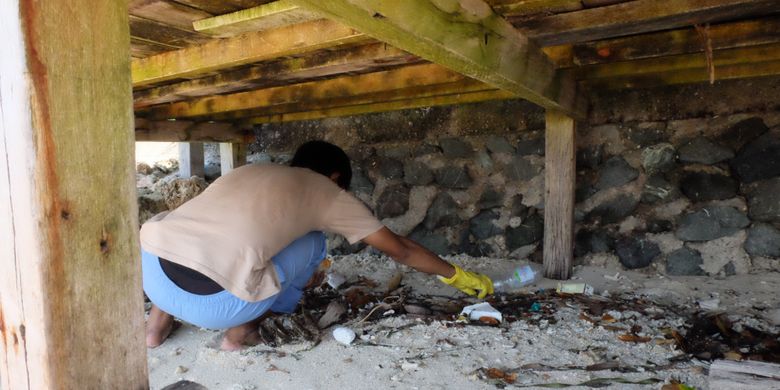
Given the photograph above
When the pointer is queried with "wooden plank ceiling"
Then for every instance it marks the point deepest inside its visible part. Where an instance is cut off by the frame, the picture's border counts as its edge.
(245, 62)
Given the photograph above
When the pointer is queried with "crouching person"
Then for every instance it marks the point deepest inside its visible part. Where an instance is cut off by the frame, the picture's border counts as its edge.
(250, 242)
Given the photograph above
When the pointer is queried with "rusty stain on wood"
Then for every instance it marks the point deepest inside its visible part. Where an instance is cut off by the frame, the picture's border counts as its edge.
(48, 182)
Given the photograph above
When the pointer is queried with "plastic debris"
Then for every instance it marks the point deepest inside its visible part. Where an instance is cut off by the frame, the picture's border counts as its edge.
(709, 304)
(574, 288)
(344, 335)
(536, 306)
(476, 312)
(335, 279)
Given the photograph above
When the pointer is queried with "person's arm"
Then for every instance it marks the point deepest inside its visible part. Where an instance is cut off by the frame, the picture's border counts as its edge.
(408, 252)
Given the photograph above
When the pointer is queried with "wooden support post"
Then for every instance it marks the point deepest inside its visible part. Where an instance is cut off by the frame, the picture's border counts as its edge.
(71, 307)
(559, 174)
(190, 159)
(232, 156)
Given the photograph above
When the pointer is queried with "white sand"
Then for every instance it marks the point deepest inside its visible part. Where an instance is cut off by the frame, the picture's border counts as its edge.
(443, 355)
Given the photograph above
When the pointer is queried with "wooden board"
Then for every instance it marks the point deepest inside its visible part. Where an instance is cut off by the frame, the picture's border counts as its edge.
(168, 12)
(191, 159)
(187, 131)
(221, 54)
(161, 33)
(559, 178)
(231, 156)
(71, 307)
(358, 60)
(272, 15)
(638, 16)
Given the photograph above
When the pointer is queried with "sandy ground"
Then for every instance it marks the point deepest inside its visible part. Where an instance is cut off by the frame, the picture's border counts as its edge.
(555, 345)
(152, 152)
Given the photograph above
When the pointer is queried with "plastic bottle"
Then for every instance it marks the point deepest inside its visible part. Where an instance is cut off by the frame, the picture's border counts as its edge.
(520, 277)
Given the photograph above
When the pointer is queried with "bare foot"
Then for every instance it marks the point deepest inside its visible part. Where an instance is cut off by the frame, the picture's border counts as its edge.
(159, 326)
(236, 337)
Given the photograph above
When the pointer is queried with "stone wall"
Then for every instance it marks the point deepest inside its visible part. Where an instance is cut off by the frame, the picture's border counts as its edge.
(685, 180)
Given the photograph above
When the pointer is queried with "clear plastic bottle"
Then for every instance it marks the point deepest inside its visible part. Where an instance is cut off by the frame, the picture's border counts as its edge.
(520, 277)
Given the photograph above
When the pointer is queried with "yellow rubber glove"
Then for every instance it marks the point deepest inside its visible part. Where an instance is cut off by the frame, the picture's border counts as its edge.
(469, 282)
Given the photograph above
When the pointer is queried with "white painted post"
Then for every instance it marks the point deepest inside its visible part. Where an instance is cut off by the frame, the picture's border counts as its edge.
(191, 159)
(232, 156)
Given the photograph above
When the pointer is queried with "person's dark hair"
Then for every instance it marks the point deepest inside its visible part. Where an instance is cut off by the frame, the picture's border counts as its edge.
(325, 158)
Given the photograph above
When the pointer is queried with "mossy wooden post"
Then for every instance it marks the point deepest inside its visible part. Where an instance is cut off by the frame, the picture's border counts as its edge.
(232, 156)
(559, 171)
(71, 307)
(190, 159)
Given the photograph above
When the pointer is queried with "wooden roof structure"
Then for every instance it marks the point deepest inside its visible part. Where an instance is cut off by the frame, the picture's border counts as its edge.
(244, 62)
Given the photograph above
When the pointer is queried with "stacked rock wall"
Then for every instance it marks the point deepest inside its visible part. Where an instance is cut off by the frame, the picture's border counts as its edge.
(685, 180)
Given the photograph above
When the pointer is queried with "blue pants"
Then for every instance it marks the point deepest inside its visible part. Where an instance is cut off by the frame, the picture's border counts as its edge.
(294, 265)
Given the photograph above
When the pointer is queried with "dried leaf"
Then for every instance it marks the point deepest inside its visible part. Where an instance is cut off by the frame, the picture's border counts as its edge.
(732, 355)
(357, 298)
(394, 282)
(495, 373)
(632, 338)
(608, 318)
(614, 328)
(274, 368)
(585, 317)
(488, 320)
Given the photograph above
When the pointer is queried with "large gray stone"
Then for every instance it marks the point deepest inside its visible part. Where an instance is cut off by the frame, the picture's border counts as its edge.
(453, 177)
(434, 242)
(521, 168)
(590, 157)
(764, 201)
(742, 133)
(592, 241)
(615, 209)
(684, 261)
(390, 168)
(393, 202)
(635, 252)
(658, 158)
(645, 134)
(615, 172)
(529, 231)
(658, 190)
(759, 159)
(425, 149)
(703, 151)
(528, 147)
(482, 226)
(443, 212)
(360, 183)
(763, 240)
(710, 223)
(456, 148)
(417, 173)
(702, 187)
(491, 198)
(498, 144)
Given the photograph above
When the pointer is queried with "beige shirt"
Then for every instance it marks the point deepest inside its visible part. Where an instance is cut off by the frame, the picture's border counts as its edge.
(231, 231)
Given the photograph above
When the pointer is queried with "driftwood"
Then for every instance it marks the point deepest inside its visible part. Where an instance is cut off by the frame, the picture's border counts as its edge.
(745, 375)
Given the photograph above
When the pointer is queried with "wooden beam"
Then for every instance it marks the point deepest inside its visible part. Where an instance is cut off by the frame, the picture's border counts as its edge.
(675, 42)
(231, 156)
(394, 105)
(417, 77)
(743, 55)
(639, 16)
(559, 174)
(531, 7)
(263, 17)
(153, 31)
(188, 131)
(191, 159)
(689, 76)
(465, 36)
(243, 49)
(362, 59)
(71, 303)
(168, 12)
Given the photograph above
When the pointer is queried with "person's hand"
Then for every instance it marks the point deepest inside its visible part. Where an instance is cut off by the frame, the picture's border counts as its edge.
(469, 282)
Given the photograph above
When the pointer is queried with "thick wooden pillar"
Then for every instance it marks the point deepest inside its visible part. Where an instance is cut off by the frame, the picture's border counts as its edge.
(191, 159)
(71, 308)
(559, 175)
(232, 156)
